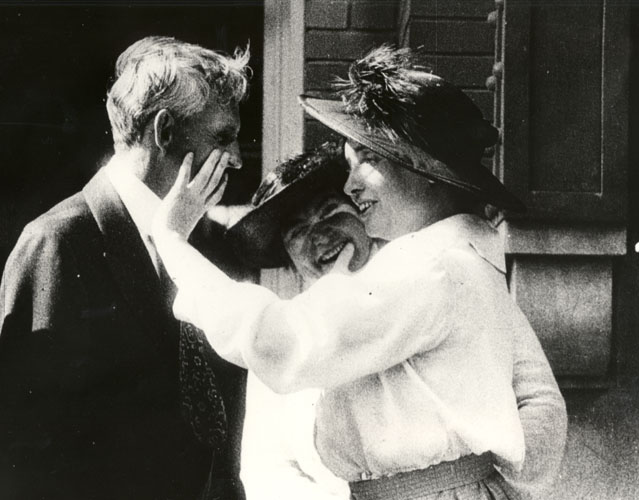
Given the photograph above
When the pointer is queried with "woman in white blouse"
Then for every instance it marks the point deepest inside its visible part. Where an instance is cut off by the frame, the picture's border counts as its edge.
(299, 218)
(414, 352)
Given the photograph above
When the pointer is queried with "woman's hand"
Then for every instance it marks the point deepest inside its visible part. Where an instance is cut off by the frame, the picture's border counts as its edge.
(342, 264)
(188, 200)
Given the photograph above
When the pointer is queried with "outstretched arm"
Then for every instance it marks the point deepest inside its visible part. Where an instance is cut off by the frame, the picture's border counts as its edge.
(340, 329)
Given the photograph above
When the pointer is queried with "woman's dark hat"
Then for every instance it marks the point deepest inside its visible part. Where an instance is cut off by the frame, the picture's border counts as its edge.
(257, 237)
(394, 106)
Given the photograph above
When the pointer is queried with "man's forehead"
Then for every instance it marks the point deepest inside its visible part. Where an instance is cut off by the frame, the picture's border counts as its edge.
(222, 116)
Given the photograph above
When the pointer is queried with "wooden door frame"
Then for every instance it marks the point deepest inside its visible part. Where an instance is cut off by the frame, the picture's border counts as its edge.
(282, 117)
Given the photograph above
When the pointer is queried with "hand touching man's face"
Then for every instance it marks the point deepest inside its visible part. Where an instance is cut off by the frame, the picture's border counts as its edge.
(315, 236)
(215, 127)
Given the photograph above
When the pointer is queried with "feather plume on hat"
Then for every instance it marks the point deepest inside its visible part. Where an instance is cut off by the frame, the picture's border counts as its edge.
(394, 92)
(392, 104)
(377, 87)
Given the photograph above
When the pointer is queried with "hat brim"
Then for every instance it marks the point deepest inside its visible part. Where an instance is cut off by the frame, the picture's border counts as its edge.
(475, 179)
(257, 236)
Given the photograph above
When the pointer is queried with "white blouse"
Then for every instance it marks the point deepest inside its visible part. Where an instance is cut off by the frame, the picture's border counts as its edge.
(414, 352)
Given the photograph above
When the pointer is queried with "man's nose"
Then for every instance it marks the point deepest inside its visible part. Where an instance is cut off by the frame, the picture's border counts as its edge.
(235, 159)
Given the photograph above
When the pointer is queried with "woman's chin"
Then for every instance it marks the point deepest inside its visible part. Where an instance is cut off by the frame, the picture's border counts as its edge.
(374, 231)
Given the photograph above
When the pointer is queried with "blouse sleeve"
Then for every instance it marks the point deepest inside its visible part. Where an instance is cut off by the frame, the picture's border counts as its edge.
(542, 412)
(342, 328)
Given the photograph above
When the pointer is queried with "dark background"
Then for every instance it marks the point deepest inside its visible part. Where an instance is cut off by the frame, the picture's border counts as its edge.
(56, 64)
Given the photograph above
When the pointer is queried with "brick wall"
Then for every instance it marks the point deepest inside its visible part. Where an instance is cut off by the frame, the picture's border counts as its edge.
(459, 38)
(455, 34)
(337, 33)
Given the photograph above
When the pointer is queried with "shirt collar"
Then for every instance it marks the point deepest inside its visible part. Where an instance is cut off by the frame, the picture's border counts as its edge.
(479, 233)
(139, 200)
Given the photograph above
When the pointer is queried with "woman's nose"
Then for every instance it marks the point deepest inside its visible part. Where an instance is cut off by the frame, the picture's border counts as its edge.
(353, 183)
(320, 236)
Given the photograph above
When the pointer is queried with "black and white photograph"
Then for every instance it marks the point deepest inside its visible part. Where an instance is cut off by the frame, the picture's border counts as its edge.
(319, 250)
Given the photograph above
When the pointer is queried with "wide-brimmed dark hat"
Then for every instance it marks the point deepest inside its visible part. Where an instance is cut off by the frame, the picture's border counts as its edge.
(257, 237)
(394, 106)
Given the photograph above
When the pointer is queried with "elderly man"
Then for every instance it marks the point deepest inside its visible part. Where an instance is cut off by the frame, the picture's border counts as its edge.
(302, 218)
(104, 393)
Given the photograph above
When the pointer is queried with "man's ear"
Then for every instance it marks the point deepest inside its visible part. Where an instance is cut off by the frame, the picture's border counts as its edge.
(163, 129)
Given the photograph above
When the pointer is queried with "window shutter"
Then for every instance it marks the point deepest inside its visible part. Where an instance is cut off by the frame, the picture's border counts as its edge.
(554, 78)
(565, 108)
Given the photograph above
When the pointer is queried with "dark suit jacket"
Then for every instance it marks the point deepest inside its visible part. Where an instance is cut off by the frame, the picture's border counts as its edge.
(89, 387)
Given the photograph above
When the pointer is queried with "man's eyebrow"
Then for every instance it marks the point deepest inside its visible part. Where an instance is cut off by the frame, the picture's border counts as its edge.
(227, 130)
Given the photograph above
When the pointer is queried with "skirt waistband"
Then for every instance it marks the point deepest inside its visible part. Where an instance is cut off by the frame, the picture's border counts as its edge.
(414, 484)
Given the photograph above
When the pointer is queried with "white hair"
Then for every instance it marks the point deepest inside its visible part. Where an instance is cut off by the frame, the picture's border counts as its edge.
(164, 73)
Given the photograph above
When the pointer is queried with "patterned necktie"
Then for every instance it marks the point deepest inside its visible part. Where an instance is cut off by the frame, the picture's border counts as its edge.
(200, 399)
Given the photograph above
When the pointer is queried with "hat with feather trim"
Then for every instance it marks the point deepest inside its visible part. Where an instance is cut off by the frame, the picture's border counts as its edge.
(257, 236)
(393, 105)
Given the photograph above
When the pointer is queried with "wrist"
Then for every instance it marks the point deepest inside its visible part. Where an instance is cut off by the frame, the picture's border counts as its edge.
(164, 236)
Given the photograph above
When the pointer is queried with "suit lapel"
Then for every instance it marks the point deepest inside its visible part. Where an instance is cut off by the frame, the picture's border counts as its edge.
(126, 254)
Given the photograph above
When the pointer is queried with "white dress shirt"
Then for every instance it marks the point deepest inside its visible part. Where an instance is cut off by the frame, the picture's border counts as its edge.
(138, 199)
(415, 352)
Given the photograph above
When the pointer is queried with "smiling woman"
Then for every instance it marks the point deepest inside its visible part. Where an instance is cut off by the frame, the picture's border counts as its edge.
(415, 351)
(317, 177)
(390, 199)
(321, 231)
